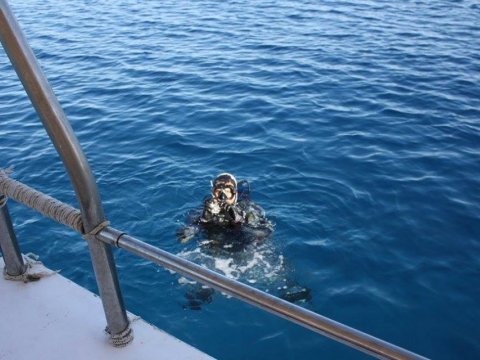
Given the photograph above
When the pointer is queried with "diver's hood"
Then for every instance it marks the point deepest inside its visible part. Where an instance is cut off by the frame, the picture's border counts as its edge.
(223, 177)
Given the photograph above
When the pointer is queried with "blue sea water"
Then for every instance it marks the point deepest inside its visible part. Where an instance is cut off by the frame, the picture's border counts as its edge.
(356, 123)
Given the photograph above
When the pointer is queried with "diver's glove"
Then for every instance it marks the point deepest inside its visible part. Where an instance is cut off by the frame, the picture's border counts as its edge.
(213, 206)
(186, 234)
(211, 209)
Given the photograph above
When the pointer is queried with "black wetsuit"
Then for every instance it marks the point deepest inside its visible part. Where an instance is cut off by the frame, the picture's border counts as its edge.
(227, 230)
(244, 212)
(229, 227)
(234, 227)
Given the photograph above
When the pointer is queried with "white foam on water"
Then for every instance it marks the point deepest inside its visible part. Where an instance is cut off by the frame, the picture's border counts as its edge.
(184, 281)
(226, 267)
(260, 265)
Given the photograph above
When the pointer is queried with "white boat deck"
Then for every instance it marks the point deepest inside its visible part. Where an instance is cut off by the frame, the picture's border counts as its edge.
(54, 318)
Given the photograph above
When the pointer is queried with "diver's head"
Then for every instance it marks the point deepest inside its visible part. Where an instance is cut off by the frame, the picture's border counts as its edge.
(224, 189)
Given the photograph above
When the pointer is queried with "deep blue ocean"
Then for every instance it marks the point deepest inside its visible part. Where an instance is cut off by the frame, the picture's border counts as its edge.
(357, 124)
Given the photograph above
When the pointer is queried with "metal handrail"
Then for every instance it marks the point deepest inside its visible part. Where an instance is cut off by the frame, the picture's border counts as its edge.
(100, 244)
(294, 313)
(62, 136)
(14, 265)
(53, 117)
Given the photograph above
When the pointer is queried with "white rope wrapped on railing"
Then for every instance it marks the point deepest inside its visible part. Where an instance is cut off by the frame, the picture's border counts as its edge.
(44, 204)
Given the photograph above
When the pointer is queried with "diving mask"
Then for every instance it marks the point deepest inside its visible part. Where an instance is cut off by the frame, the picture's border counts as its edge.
(225, 189)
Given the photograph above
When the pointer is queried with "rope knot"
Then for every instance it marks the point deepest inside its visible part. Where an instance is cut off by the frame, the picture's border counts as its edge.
(96, 229)
(121, 339)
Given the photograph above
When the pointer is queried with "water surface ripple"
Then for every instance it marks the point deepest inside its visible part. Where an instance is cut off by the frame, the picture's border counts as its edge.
(356, 122)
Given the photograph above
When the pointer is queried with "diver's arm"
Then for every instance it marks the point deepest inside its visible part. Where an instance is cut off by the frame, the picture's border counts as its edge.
(187, 233)
(235, 214)
(210, 209)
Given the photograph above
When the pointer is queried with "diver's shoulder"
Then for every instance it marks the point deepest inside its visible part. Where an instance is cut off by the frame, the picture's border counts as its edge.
(248, 206)
(245, 203)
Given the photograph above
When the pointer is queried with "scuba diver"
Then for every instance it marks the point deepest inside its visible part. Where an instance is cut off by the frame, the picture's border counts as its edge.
(232, 227)
(229, 217)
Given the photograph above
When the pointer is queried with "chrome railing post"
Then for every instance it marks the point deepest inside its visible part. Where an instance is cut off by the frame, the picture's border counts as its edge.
(66, 143)
(14, 265)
